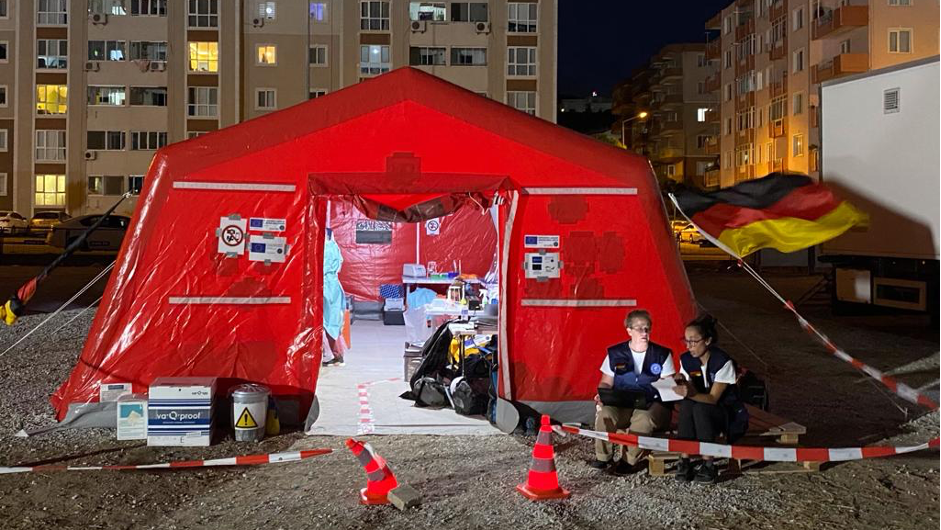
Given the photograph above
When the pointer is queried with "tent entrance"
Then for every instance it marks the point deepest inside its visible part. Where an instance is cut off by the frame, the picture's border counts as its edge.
(363, 395)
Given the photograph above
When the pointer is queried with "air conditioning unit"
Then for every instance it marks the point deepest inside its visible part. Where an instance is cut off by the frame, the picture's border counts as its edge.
(419, 26)
(98, 18)
(91, 155)
(258, 22)
(482, 27)
(91, 66)
(157, 66)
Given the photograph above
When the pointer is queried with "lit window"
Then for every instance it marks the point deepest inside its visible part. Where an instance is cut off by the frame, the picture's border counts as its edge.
(50, 145)
(701, 114)
(203, 13)
(266, 99)
(798, 145)
(50, 190)
(105, 140)
(52, 54)
(318, 55)
(374, 60)
(318, 11)
(107, 50)
(522, 101)
(521, 61)
(522, 17)
(52, 12)
(204, 57)
(432, 11)
(374, 16)
(203, 102)
(267, 54)
(51, 99)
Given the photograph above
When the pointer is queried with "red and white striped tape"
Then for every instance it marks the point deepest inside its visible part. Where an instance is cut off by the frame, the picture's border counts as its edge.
(367, 423)
(247, 460)
(745, 452)
(901, 389)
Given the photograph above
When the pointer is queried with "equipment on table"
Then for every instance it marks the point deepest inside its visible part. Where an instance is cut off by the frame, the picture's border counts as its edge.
(414, 270)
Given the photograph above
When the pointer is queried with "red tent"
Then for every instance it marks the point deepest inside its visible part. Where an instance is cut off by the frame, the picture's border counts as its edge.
(188, 298)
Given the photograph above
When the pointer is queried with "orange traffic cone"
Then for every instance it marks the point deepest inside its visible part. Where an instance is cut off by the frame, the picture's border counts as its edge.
(379, 478)
(543, 482)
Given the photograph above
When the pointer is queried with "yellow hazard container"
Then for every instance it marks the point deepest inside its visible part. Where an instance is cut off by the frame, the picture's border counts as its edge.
(249, 412)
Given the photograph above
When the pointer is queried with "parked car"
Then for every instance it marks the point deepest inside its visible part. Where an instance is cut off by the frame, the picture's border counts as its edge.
(13, 223)
(691, 235)
(43, 221)
(107, 236)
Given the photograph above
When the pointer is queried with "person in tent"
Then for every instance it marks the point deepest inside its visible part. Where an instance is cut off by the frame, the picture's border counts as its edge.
(333, 300)
(626, 396)
(711, 406)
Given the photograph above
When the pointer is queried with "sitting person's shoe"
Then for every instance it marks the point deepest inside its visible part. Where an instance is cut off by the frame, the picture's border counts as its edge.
(599, 464)
(336, 361)
(685, 470)
(623, 468)
(707, 473)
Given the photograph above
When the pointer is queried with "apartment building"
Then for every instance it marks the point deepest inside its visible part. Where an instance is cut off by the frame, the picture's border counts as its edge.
(769, 57)
(89, 89)
(674, 132)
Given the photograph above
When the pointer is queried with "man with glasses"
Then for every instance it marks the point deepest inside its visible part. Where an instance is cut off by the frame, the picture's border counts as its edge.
(626, 397)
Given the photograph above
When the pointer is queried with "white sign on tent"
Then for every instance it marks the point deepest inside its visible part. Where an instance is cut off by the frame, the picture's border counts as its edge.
(433, 227)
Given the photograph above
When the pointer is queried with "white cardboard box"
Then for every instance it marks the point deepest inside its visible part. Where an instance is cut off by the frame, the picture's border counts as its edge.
(180, 411)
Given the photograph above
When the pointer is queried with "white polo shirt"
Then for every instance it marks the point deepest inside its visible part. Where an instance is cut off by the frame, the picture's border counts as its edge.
(726, 374)
(665, 371)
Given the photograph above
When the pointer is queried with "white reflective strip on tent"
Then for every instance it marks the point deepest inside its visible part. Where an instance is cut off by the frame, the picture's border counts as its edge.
(210, 300)
(234, 186)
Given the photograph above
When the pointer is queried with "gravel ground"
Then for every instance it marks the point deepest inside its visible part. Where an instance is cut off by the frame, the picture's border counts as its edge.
(468, 482)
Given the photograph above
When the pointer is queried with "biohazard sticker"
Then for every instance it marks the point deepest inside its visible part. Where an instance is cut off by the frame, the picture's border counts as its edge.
(246, 420)
(231, 234)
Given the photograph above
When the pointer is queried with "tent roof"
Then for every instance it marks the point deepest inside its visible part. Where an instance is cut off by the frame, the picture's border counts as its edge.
(616, 166)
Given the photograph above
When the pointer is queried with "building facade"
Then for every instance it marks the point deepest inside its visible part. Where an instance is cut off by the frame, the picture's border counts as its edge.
(674, 131)
(89, 89)
(770, 56)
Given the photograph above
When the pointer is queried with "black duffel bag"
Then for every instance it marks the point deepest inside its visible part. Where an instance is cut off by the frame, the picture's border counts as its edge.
(466, 401)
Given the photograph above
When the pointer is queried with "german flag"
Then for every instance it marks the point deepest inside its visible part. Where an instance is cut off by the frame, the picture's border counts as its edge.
(783, 211)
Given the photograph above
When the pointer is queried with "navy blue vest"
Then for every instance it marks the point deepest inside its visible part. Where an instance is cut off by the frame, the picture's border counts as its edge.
(737, 414)
(622, 364)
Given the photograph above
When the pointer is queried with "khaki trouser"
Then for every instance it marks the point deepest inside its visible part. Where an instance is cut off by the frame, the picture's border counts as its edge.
(642, 422)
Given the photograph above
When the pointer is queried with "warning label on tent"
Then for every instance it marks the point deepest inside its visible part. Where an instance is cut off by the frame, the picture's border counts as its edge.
(262, 224)
(231, 236)
(373, 232)
(246, 420)
(433, 227)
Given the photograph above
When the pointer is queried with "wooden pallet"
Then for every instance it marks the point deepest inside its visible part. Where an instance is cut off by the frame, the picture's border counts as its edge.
(761, 426)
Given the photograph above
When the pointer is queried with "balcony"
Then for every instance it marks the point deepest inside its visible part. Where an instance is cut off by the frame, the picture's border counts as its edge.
(778, 49)
(814, 116)
(745, 100)
(743, 30)
(778, 10)
(840, 20)
(778, 88)
(712, 116)
(668, 154)
(714, 49)
(745, 136)
(777, 128)
(711, 178)
(715, 23)
(744, 172)
(670, 73)
(712, 146)
(842, 64)
(744, 65)
(713, 83)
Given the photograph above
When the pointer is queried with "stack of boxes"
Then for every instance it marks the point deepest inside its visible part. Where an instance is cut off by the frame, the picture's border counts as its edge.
(180, 411)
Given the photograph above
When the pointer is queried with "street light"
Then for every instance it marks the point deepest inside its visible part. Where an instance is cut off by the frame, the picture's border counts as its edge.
(641, 115)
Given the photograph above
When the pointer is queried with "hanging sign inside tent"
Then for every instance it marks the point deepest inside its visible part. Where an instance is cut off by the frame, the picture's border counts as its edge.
(261, 224)
(231, 234)
(373, 232)
(433, 227)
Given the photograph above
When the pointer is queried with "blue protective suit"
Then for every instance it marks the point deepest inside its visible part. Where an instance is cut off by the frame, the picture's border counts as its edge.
(333, 297)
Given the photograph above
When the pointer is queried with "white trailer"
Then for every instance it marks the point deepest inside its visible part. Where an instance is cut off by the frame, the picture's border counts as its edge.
(879, 148)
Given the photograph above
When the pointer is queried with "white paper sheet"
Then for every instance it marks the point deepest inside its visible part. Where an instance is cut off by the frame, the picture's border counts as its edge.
(665, 388)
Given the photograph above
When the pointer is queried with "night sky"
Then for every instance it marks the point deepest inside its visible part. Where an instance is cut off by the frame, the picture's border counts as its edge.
(601, 41)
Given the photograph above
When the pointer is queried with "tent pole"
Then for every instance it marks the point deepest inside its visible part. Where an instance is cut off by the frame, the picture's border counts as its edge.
(417, 242)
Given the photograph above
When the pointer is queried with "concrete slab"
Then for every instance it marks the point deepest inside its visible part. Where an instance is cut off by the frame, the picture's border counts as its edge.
(362, 397)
